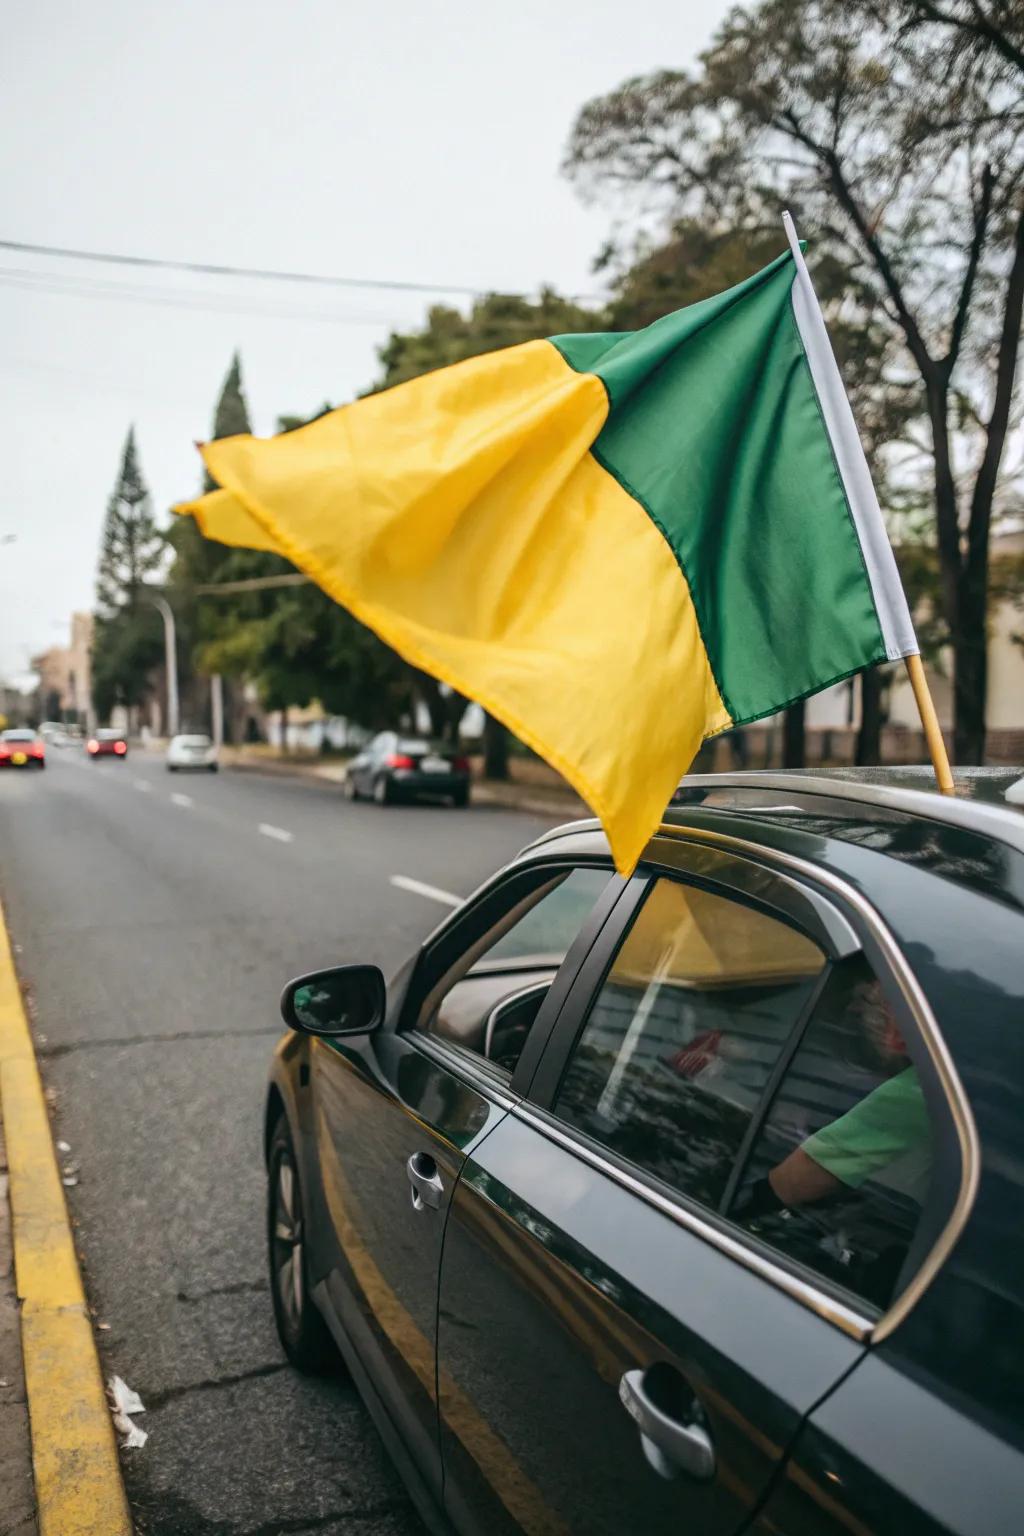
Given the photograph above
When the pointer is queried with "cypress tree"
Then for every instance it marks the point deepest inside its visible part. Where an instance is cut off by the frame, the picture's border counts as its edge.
(127, 643)
(131, 546)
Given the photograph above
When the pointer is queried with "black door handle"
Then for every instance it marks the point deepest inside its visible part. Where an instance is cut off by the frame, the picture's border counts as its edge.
(427, 1188)
(672, 1442)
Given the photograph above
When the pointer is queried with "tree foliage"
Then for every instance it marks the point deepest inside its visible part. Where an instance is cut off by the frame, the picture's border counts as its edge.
(131, 547)
(127, 643)
(495, 321)
(895, 131)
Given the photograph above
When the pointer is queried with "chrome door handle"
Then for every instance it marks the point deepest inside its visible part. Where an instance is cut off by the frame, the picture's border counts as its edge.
(670, 1444)
(427, 1188)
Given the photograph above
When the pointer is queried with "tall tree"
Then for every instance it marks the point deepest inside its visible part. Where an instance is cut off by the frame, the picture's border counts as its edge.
(895, 129)
(127, 644)
(132, 547)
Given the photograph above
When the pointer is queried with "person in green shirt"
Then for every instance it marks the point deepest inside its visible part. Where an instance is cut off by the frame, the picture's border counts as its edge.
(886, 1133)
(889, 1126)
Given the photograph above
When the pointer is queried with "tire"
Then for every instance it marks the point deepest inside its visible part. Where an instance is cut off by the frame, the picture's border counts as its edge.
(212, 767)
(460, 799)
(351, 793)
(172, 767)
(382, 793)
(304, 1335)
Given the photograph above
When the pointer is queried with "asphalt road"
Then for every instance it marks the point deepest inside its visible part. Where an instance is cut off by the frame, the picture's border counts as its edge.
(155, 919)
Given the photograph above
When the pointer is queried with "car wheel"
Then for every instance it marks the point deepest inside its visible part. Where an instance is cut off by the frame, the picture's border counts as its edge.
(382, 791)
(460, 799)
(351, 793)
(304, 1335)
(172, 767)
(212, 767)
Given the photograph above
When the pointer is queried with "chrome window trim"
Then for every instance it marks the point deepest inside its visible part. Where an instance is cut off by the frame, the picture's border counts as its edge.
(847, 1318)
(833, 1310)
(837, 937)
(461, 1062)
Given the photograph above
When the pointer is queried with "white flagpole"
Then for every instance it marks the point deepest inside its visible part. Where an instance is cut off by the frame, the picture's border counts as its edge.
(887, 588)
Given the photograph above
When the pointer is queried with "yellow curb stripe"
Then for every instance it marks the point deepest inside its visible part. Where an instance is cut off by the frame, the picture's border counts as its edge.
(79, 1490)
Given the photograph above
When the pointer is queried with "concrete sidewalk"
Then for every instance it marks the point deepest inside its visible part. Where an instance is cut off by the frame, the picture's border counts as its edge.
(17, 1488)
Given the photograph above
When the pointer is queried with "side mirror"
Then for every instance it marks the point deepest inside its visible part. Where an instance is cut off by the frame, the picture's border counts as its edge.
(345, 1000)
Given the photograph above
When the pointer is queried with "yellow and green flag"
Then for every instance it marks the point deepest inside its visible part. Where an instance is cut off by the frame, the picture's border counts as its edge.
(619, 544)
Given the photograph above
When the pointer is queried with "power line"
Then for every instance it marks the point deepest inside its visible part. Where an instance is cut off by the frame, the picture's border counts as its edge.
(263, 274)
(30, 281)
(97, 287)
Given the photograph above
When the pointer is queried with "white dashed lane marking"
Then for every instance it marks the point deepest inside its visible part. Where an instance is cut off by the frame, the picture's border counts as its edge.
(185, 800)
(280, 833)
(432, 893)
(142, 784)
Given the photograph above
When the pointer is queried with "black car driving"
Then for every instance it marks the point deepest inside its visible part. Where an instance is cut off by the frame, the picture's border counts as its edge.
(689, 1201)
(391, 768)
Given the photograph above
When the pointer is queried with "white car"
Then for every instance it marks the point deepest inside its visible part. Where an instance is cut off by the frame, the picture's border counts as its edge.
(191, 752)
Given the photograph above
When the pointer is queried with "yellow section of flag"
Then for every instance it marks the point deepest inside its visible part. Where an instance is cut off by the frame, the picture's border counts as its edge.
(463, 518)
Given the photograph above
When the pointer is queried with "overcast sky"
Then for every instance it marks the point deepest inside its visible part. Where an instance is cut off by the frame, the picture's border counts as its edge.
(411, 141)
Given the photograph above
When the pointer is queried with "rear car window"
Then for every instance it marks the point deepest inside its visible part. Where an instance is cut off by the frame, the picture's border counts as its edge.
(849, 1143)
(682, 1038)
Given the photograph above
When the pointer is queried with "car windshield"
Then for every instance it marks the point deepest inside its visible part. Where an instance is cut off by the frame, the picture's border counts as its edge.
(415, 746)
(18, 736)
(192, 741)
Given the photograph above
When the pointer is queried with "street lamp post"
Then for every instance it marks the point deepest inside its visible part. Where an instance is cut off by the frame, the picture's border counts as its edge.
(171, 658)
(217, 709)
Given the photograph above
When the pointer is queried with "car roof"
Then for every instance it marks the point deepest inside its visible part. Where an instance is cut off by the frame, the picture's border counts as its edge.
(978, 805)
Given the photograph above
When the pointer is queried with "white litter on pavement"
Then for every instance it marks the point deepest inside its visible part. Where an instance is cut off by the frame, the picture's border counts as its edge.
(124, 1401)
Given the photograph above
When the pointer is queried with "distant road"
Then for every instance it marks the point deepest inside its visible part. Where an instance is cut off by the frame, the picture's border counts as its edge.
(158, 916)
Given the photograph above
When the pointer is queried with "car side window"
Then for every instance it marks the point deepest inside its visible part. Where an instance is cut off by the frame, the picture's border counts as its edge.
(680, 1042)
(487, 1000)
(842, 1169)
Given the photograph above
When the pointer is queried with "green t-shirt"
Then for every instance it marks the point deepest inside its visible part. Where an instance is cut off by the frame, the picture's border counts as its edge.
(888, 1126)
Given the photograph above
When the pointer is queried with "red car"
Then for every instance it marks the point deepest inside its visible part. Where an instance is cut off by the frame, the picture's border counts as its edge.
(21, 749)
(107, 744)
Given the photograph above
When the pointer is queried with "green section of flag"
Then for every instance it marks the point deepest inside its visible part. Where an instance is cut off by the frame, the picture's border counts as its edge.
(715, 428)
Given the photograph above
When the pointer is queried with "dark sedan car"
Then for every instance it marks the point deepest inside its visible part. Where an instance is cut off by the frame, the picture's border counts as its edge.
(393, 767)
(688, 1202)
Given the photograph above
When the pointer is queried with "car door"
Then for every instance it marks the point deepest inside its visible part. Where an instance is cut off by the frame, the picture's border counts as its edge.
(619, 1349)
(396, 1113)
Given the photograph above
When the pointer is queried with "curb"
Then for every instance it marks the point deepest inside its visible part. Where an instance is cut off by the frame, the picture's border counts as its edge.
(79, 1489)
